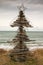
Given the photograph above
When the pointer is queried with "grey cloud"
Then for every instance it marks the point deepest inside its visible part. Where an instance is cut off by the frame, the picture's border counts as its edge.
(8, 7)
(25, 1)
(29, 4)
(35, 1)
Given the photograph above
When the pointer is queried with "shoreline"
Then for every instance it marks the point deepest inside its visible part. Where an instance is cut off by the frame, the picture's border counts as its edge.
(31, 47)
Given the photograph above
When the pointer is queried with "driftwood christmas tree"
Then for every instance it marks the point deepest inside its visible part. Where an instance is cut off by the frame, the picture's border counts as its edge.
(20, 51)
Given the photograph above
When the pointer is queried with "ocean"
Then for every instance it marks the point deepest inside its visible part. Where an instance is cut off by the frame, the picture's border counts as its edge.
(33, 35)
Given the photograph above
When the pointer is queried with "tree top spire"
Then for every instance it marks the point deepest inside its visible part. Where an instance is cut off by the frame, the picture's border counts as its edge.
(21, 7)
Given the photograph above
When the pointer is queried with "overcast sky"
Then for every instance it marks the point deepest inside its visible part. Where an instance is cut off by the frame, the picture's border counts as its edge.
(9, 12)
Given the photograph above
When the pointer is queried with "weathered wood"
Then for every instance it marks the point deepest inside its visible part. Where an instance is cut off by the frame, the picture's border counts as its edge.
(19, 53)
